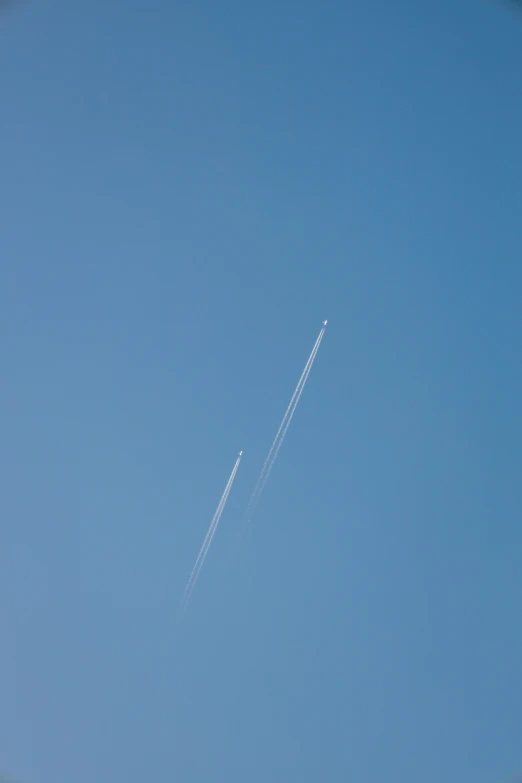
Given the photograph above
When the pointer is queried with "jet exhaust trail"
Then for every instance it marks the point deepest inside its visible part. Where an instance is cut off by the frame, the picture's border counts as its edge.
(198, 565)
(207, 542)
(283, 428)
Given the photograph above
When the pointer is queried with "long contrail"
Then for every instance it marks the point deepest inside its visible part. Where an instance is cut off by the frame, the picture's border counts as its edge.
(198, 565)
(288, 415)
(283, 428)
(289, 419)
(208, 540)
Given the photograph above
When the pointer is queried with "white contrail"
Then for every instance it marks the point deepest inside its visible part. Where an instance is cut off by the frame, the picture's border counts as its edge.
(210, 533)
(205, 543)
(288, 412)
(205, 552)
(208, 540)
(283, 428)
(289, 419)
(217, 515)
(209, 536)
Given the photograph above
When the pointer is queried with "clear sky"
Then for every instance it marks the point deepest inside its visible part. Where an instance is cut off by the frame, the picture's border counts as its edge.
(187, 190)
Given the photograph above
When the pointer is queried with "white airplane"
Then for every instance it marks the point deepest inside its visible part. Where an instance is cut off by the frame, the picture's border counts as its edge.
(324, 323)
(240, 453)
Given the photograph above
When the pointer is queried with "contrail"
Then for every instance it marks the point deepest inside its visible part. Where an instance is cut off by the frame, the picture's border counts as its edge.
(198, 565)
(288, 413)
(283, 428)
(208, 540)
(289, 419)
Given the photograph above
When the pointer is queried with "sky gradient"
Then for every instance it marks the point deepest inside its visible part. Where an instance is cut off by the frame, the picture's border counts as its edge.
(186, 191)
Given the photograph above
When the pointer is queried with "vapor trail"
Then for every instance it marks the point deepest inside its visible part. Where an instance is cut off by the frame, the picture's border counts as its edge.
(198, 565)
(289, 419)
(208, 540)
(288, 414)
(281, 432)
(205, 552)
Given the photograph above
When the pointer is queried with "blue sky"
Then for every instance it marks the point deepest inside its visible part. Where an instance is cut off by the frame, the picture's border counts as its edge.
(187, 191)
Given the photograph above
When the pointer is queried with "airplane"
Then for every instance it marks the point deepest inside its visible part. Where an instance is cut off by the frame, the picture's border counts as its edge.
(240, 453)
(324, 323)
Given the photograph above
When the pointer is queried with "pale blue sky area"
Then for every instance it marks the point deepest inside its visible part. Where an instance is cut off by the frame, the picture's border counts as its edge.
(186, 191)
